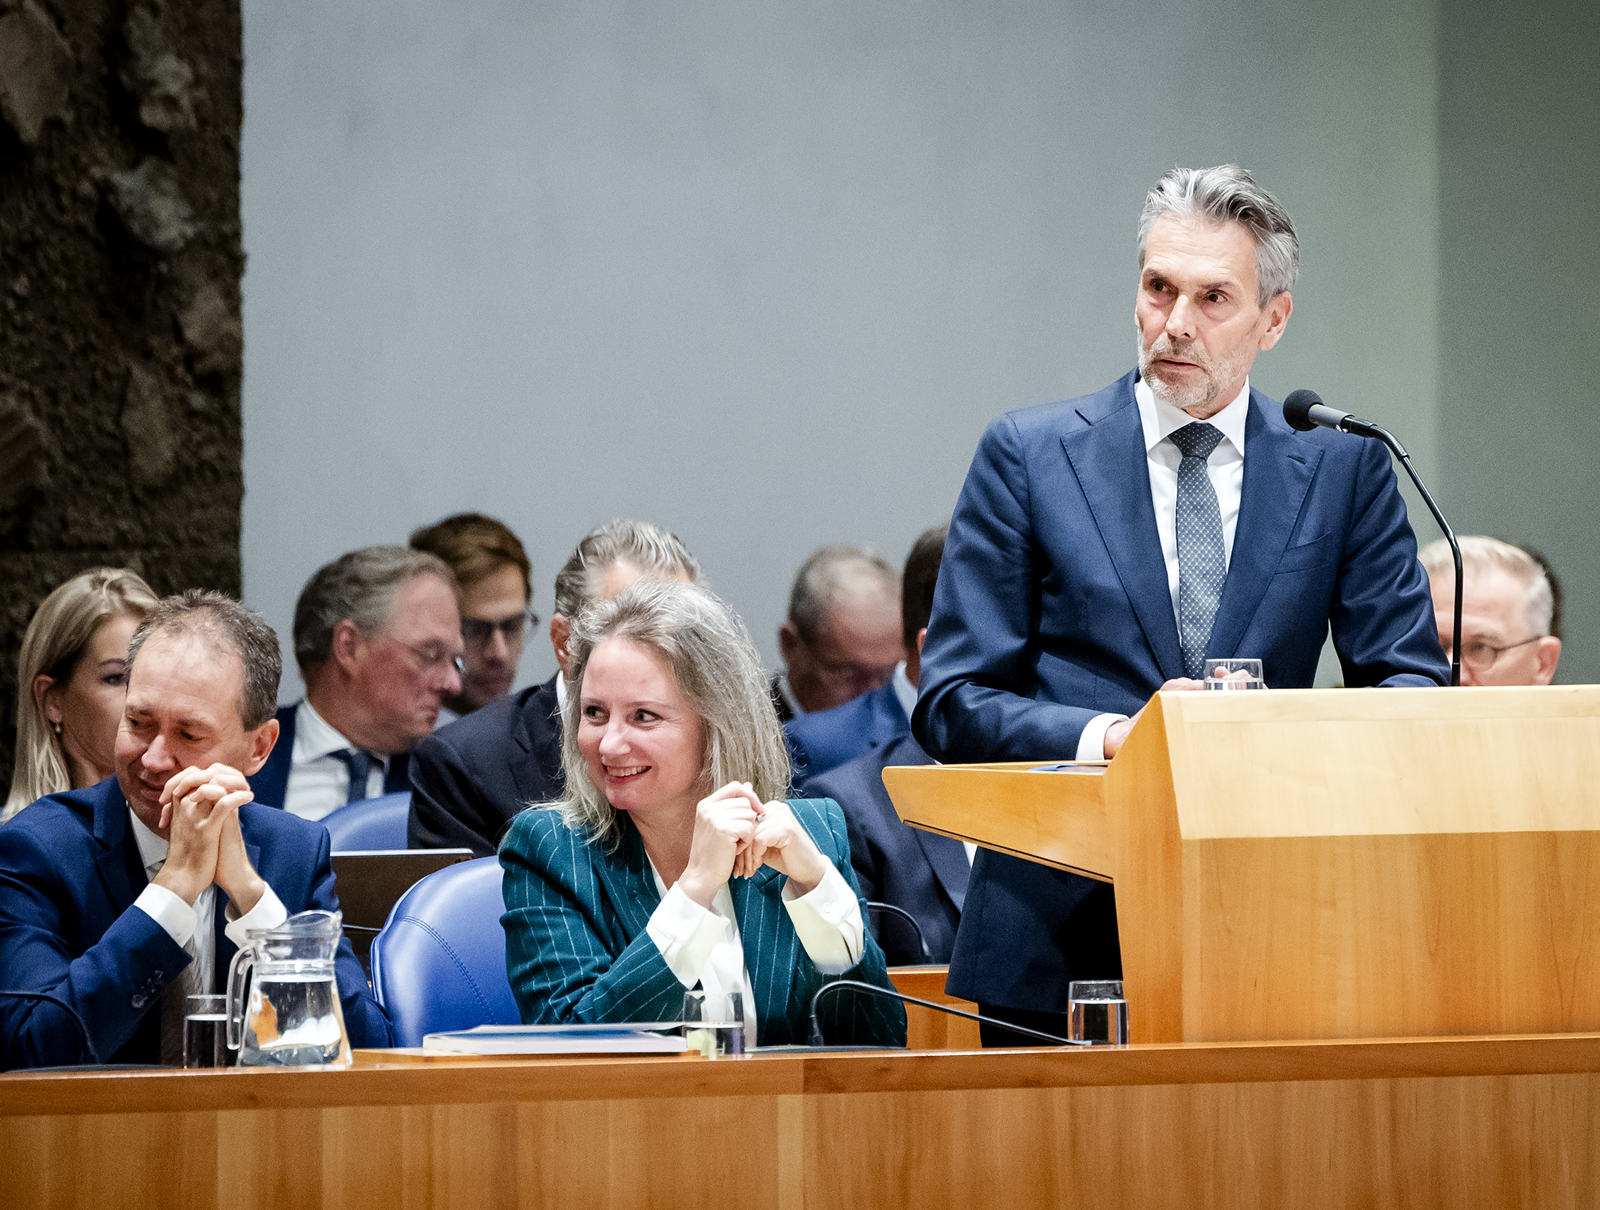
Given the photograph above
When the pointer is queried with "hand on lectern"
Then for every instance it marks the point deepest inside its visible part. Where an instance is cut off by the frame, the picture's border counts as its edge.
(1117, 733)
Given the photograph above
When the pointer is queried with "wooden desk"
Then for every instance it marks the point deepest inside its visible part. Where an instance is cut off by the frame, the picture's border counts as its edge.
(1489, 1122)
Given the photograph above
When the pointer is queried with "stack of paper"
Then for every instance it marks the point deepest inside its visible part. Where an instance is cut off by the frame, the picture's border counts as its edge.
(558, 1040)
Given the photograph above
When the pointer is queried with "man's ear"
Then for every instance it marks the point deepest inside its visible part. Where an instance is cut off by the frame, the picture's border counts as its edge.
(1278, 312)
(790, 644)
(261, 740)
(1547, 654)
(347, 643)
(922, 637)
(560, 632)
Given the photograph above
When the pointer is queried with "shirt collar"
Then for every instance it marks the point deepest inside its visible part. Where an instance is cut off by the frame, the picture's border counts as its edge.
(904, 689)
(1161, 420)
(788, 695)
(315, 737)
(561, 693)
(152, 849)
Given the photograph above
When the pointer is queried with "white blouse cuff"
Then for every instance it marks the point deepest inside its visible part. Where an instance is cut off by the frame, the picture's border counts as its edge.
(685, 933)
(828, 921)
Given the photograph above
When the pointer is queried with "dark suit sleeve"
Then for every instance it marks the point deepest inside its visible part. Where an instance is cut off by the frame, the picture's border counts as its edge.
(976, 699)
(849, 1018)
(449, 810)
(560, 967)
(364, 1020)
(112, 984)
(1382, 611)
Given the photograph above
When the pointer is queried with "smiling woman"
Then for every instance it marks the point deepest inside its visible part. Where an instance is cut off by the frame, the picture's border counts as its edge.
(71, 680)
(674, 860)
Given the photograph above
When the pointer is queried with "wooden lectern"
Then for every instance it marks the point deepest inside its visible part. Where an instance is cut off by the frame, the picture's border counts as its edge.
(1341, 863)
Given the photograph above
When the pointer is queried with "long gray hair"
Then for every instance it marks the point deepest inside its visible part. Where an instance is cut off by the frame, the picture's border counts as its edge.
(717, 671)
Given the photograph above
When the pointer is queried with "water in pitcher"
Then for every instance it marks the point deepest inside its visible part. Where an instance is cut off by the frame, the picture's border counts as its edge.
(294, 1018)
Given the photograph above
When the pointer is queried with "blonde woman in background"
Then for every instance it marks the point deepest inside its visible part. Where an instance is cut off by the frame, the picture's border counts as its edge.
(71, 681)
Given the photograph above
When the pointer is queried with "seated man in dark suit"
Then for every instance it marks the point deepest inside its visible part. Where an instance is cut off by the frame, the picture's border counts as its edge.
(126, 897)
(377, 635)
(842, 635)
(470, 778)
(823, 739)
(919, 872)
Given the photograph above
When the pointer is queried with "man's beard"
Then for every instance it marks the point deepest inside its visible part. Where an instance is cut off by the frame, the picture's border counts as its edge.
(1192, 396)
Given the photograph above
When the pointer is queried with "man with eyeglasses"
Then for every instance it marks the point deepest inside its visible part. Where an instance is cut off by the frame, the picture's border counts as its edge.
(494, 588)
(377, 636)
(842, 636)
(1510, 611)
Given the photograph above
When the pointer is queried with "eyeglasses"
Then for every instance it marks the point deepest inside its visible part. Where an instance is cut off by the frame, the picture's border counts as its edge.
(1480, 654)
(480, 632)
(435, 657)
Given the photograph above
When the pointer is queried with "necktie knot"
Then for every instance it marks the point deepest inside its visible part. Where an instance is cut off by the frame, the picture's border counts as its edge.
(359, 763)
(1197, 440)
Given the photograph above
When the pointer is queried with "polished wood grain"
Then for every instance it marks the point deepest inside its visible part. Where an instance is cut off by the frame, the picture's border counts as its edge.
(1467, 1122)
(926, 1028)
(1327, 863)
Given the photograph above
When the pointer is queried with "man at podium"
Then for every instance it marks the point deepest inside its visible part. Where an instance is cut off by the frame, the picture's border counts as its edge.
(1105, 547)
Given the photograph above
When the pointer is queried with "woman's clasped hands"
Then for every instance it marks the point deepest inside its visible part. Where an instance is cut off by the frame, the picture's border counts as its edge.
(735, 834)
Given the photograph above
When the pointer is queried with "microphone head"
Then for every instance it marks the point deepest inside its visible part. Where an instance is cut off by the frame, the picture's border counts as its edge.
(1297, 409)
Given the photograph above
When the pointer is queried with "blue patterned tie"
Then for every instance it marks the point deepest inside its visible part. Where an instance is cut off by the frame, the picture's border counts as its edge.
(359, 763)
(1202, 563)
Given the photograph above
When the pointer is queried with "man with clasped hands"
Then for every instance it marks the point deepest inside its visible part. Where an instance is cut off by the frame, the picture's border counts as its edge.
(1103, 548)
(124, 898)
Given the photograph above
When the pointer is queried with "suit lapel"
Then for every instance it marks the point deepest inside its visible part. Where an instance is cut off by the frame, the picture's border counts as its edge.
(771, 952)
(948, 858)
(629, 884)
(1278, 471)
(888, 719)
(1110, 462)
(116, 866)
(525, 769)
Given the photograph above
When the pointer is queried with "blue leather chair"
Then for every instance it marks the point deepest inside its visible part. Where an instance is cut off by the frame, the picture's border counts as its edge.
(440, 961)
(372, 824)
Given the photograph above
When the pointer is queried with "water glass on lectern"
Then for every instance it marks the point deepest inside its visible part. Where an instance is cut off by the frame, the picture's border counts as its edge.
(713, 1023)
(1097, 1012)
(1233, 674)
(205, 1032)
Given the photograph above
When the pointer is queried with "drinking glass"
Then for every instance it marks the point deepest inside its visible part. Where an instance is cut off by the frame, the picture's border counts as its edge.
(713, 1023)
(1097, 1012)
(205, 1032)
(1234, 674)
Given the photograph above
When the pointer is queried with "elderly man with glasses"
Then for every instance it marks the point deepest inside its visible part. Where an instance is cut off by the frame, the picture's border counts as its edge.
(377, 635)
(1510, 611)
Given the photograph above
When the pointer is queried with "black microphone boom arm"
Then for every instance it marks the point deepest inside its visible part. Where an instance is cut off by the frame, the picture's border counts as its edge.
(816, 1038)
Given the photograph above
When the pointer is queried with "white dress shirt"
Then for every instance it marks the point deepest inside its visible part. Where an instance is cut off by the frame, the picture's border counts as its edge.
(703, 946)
(907, 693)
(181, 920)
(1225, 468)
(319, 782)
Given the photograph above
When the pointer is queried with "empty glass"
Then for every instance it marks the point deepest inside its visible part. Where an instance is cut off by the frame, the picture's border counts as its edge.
(1097, 1012)
(205, 1032)
(713, 1023)
(1233, 674)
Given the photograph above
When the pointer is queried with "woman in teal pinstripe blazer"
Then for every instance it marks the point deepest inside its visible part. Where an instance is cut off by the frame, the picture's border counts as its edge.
(673, 860)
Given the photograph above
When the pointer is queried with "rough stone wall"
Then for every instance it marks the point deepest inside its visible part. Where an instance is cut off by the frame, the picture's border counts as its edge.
(120, 261)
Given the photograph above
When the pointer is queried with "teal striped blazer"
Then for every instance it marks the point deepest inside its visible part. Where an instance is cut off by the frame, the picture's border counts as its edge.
(577, 950)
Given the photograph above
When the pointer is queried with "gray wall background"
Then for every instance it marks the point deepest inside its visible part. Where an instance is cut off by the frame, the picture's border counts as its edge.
(763, 273)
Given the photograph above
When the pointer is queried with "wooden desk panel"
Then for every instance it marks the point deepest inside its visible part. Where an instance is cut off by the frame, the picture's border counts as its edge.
(1463, 1122)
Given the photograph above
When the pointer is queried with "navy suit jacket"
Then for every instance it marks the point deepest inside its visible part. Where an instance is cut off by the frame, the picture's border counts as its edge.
(270, 781)
(1053, 606)
(468, 779)
(69, 873)
(577, 949)
(920, 872)
(824, 740)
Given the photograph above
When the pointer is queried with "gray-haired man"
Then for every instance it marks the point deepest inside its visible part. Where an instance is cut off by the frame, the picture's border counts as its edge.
(1104, 547)
(377, 636)
(469, 778)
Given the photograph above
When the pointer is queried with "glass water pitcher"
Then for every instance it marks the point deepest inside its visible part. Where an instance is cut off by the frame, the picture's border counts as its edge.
(291, 1016)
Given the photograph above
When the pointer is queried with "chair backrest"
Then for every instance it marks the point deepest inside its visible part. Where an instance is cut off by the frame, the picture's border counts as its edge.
(440, 962)
(373, 823)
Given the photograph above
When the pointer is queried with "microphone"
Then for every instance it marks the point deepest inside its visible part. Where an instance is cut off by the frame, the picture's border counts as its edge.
(816, 1038)
(1304, 410)
(47, 998)
(922, 942)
